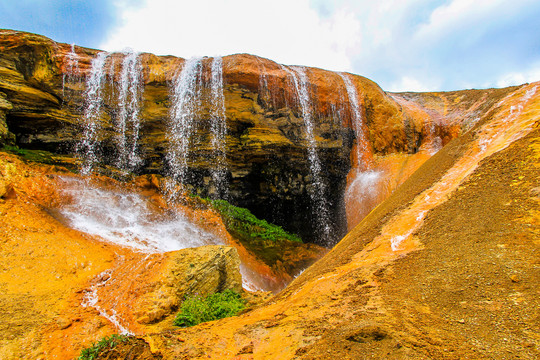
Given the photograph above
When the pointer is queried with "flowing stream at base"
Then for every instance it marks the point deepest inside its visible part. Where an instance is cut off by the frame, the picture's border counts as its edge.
(131, 220)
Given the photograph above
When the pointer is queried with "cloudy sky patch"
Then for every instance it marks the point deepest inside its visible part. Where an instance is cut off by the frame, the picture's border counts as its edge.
(415, 45)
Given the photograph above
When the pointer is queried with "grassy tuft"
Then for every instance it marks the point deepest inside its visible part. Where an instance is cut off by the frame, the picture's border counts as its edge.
(39, 156)
(196, 310)
(104, 344)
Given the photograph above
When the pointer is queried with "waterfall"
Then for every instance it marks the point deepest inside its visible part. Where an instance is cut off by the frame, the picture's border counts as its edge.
(363, 152)
(88, 147)
(363, 192)
(186, 99)
(218, 128)
(128, 121)
(187, 94)
(318, 191)
(71, 72)
(123, 103)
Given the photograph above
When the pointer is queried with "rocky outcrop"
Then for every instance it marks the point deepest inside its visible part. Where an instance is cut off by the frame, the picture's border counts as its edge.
(266, 144)
(200, 271)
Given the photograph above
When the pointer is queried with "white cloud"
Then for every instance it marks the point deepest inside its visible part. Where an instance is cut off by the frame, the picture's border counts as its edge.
(403, 45)
(516, 78)
(409, 83)
(457, 15)
(286, 31)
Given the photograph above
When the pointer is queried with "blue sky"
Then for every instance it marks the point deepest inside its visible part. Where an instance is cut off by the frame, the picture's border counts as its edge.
(416, 45)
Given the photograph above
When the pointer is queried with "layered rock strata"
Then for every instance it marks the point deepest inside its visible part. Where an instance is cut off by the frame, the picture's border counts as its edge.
(266, 146)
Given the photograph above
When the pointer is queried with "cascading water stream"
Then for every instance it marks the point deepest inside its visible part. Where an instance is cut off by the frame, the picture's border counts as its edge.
(92, 299)
(123, 98)
(363, 151)
(318, 193)
(187, 107)
(71, 72)
(128, 121)
(88, 148)
(186, 99)
(219, 129)
(362, 192)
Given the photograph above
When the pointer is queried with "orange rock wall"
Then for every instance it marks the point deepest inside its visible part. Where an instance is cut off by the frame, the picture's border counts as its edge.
(266, 144)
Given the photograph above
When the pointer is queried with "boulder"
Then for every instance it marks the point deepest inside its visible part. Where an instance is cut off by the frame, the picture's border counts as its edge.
(196, 271)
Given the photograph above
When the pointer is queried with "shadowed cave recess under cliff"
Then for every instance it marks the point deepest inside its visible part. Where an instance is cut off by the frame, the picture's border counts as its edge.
(278, 140)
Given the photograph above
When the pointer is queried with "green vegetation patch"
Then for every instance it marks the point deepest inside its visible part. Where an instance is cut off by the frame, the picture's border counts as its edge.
(107, 343)
(244, 224)
(196, 310)
(39, 156)
(268, 242)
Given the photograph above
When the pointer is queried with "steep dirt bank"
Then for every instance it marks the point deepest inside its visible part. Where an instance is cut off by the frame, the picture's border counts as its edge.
(462, 284)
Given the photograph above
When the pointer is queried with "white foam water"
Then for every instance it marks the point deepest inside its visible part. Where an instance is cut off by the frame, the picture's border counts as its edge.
(126, 219)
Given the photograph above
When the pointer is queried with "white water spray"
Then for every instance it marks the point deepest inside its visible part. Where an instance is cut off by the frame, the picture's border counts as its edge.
(127, 219)
(218, 128)
(186, 98)
(318, 193)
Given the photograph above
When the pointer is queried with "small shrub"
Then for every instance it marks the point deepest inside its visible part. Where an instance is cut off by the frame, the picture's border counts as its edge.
(106, 343)
(196, 310)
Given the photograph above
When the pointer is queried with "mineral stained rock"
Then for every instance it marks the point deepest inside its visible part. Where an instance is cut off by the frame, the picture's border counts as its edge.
(268, 169)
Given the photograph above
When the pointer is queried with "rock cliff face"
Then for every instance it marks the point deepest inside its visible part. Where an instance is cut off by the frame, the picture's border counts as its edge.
(269, 108)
